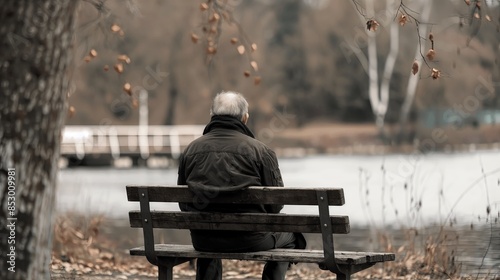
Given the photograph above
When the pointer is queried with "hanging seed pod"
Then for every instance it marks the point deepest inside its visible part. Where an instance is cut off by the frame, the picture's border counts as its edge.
(256, 80)
(118, 68)
(414, 67)
(203, 7)
(127, 88)
(241, 49)
(93, 53)
(71, 111)
(431, 54)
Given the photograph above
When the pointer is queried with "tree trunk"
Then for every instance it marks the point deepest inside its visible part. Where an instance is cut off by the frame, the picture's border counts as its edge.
(36, 42)
(413, 79)
(173, 62)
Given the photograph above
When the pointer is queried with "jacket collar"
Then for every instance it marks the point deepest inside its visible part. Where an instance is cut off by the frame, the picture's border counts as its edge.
(227, 122)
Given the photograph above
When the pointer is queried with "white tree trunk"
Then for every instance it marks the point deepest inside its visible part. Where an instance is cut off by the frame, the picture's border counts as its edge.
(389, 63)
(379, 91)
(373, 90)
(426, 6)
(36, 42)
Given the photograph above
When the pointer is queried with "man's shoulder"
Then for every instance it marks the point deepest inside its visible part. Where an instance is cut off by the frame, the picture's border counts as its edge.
(244, 143)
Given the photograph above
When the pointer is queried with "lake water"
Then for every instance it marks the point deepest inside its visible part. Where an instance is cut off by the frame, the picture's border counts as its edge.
(391, 191)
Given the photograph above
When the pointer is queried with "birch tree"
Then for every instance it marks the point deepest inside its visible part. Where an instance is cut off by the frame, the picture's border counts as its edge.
(379, 89)
(425, 7)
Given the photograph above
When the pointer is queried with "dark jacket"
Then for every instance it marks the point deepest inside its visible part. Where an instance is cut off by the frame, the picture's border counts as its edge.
(227, 158)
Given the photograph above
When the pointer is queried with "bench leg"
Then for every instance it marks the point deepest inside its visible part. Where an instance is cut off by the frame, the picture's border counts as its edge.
(165, 272)
(343, 276)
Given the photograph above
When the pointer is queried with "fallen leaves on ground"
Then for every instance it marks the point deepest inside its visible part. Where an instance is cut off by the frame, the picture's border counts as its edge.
(81, 252)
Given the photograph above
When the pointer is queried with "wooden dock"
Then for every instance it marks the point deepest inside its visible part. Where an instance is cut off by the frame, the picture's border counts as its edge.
(81, 143)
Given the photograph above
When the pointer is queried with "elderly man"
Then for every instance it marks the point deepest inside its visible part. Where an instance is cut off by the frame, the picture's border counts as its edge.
(228, 158)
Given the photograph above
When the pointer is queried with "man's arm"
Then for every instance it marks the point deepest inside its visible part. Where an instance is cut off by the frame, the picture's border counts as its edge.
(181, 180)
(271, 176)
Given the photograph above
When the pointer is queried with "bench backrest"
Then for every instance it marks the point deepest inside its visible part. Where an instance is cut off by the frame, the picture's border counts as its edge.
(323, 197)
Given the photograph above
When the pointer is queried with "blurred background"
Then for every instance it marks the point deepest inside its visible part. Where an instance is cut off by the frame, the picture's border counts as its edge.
(339, 104)
(311, 60)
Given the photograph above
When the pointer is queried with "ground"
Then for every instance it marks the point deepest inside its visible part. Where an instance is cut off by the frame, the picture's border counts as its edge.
(86, 248)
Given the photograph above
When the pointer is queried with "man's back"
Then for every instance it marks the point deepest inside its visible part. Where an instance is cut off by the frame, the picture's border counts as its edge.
(225, 160)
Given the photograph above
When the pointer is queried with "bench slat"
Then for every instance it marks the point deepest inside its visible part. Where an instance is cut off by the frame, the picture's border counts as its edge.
(240, 221)
(288, 255)
(254, 195)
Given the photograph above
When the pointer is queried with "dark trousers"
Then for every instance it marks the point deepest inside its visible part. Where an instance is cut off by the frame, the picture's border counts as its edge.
(211, 269)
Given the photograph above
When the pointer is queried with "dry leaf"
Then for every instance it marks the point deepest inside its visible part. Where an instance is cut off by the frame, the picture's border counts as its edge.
(487, 17)
(241, 49)
(127, 88)
(430, 54)
(431, 37)
(115, 28)
(93, 53)
(372, 25)
(119, 68)
(215, 17)
(257, 80)
(123, 58)
(254, 47)
(234, 40)
(403, 19)
(435, 73)
(401, 249)
(106, 68)
(476, 15)
(203, 6)
(246, 73)
(71, 111)
(135, 103)
(414, 67)
(194, 38)
(211, 50)
(254, 66)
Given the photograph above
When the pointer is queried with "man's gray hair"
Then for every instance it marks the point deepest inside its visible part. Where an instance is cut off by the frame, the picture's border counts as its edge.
(229, 103)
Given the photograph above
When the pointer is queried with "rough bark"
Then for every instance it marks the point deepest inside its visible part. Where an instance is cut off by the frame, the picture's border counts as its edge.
(37, 51)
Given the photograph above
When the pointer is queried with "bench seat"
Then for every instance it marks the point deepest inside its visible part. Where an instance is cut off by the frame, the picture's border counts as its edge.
(282, 255)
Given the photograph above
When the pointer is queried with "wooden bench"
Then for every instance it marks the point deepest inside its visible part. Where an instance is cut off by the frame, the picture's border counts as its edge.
(166, 256)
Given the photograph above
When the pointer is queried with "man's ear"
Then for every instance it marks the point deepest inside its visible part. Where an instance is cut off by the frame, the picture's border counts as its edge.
(245, 118)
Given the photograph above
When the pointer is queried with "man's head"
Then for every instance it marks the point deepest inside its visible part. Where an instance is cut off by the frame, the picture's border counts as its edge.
(230, 103)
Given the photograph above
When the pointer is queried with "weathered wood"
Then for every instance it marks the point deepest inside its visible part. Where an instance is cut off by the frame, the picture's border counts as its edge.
(253, 195)
(344, 263)
(238, 221)
(285, 255)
